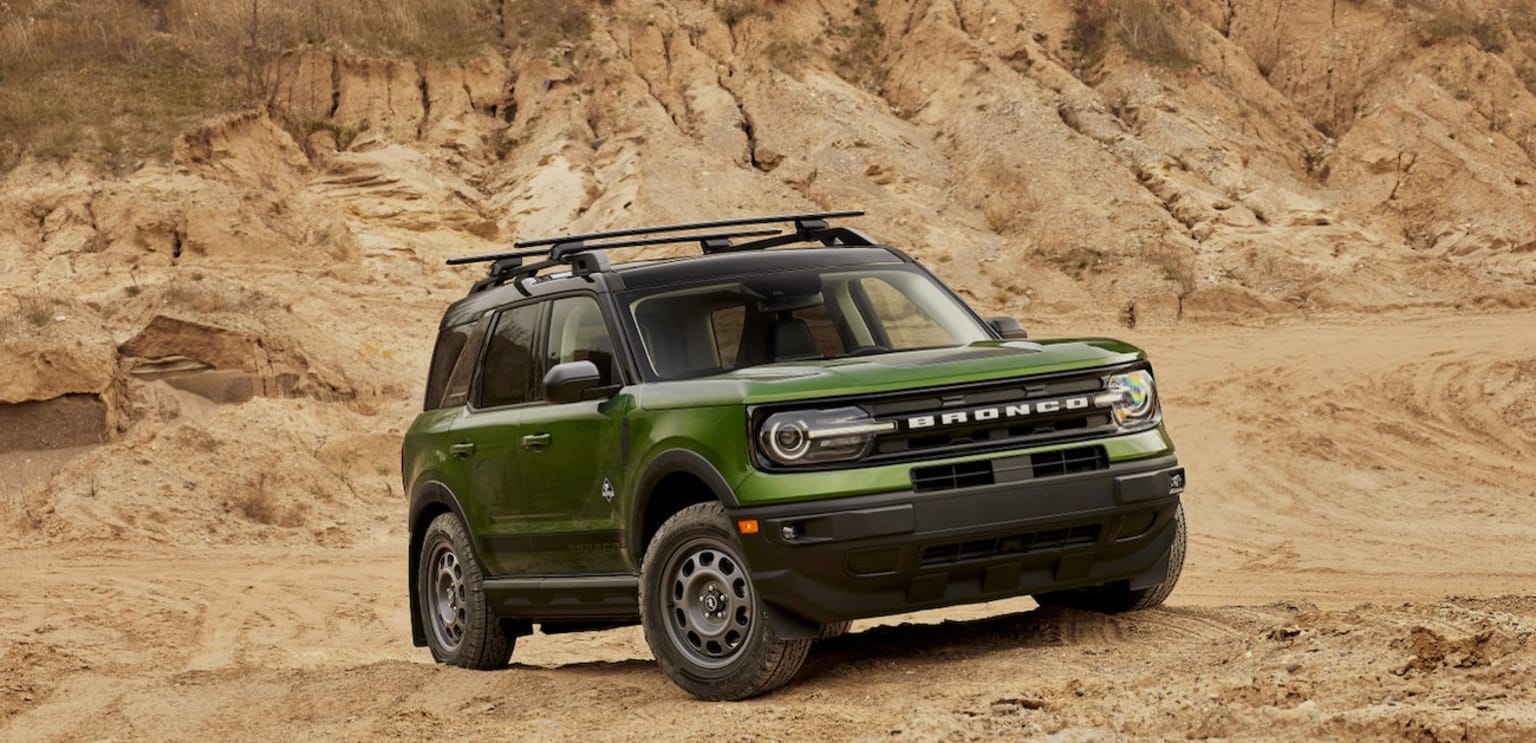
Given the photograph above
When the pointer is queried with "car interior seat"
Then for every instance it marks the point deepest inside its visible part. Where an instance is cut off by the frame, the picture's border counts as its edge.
(791, 340)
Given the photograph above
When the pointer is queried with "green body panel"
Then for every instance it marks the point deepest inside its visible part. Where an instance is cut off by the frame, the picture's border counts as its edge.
(978, 362)
(533, 511)
(542, 511)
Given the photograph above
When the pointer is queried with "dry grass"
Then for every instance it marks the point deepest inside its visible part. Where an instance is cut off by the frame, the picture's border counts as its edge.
(541, 25)
(859, 59)
(1450, 20)
(1146, 28)
(736, 11)
(1088, 35)
(259, 505)
(115, 81)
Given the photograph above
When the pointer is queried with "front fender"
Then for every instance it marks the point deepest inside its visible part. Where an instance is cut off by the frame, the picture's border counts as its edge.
(666, 463)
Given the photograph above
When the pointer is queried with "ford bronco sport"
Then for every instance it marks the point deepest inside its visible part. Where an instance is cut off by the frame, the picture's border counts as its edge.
(745, 450)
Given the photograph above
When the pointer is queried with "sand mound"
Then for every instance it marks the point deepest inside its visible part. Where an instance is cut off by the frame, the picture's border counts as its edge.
(267, 471)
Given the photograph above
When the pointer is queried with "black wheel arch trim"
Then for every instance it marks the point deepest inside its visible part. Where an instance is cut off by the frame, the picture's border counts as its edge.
(428, 492)
(672, 461)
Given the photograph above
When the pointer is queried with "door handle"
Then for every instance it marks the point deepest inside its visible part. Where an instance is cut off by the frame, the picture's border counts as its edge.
(462, 450)
(536, 440)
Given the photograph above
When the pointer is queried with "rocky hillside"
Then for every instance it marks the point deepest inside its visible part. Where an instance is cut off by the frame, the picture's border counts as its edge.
(265, 289)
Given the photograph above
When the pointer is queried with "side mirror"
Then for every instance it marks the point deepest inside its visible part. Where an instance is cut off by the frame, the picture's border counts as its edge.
(1007, 328)
(570, 382)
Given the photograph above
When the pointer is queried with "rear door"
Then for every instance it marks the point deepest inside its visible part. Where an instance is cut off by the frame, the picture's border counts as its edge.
(488, 438)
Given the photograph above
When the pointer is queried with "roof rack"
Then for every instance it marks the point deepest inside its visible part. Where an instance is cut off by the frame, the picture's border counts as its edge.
(586, 257)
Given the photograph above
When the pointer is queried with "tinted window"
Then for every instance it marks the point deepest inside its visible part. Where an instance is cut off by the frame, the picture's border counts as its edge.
(456, 392)
(577, 332)
(698, 331)
(506, 378)
(906, 325)
(450, 342)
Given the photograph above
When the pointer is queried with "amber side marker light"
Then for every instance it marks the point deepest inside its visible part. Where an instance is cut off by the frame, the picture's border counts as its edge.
(747, 526)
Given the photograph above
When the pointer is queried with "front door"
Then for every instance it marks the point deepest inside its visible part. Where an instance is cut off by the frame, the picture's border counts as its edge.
(571, 458)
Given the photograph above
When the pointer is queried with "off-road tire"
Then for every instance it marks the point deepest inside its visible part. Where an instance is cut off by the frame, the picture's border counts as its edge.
(835, 629)
(1116, 598)
(481, 644)
(693, 557)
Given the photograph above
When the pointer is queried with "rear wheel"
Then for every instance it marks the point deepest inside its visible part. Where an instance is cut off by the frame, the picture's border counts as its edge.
(461, 628)
(702, 617)
(1115, 598)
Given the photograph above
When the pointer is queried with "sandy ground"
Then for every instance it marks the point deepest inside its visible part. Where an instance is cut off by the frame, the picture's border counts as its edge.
(1360, 501)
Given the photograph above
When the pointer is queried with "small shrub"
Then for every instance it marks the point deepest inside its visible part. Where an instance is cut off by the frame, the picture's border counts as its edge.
(542, 24)
(36, 309)
(789, 55)
(736, 11)
(1001, 217)
(1451, 21)
(1088, 34)
(259, 505)
(859, 60)
(1143, 27)
(1148, 33)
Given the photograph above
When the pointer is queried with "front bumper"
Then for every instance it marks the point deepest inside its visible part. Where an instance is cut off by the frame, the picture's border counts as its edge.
(890, 553)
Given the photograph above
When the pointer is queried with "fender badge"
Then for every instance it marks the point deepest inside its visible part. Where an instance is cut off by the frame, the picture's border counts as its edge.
(607, 490)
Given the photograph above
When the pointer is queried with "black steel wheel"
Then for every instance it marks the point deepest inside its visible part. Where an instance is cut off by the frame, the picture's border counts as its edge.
(461, 628)
(703, 620)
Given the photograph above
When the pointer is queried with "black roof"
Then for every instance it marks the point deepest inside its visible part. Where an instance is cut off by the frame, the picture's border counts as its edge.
(512, 277)
(652, 274)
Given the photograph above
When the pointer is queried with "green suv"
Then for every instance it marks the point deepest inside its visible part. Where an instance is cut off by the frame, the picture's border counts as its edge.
(747, 449)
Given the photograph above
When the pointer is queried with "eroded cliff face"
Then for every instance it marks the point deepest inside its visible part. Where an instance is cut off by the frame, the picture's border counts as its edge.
(282, 277)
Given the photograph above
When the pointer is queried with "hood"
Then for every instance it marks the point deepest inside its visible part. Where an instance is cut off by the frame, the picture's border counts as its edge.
(978, 362)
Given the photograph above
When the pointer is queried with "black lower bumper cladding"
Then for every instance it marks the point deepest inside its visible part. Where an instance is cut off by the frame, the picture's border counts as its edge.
(890, 553)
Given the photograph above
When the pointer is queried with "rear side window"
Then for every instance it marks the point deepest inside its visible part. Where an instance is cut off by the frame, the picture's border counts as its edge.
(456, 393)
(506, 377)
(450, 344)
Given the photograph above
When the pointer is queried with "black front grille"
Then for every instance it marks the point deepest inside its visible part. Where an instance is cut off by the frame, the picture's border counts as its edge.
(951, 476)
(996, 432)
(1009, 469)
(1014, 544)
(1068, 461)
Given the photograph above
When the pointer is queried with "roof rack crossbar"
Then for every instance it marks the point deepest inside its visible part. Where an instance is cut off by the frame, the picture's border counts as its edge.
(566, 248)
(466, 259)
(828, 236)
(684, 226)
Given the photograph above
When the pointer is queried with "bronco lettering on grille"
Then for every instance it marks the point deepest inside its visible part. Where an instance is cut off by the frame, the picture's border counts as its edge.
(999, 412)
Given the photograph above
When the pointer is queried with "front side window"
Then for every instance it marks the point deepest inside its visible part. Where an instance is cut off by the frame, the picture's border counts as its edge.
(506, 376)
(797, 316)
(577, 332)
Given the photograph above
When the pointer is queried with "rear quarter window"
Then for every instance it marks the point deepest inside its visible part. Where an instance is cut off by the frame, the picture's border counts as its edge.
(450, 344)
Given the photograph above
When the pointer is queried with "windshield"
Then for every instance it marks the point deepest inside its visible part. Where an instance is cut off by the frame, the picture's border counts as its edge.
(798, 316)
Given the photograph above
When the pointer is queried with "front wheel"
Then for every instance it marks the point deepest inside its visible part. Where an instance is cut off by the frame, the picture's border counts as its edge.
(702, 617)
(1116, 598)
(461, 628)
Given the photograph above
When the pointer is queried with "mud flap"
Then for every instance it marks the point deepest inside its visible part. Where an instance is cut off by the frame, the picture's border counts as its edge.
(789, 626)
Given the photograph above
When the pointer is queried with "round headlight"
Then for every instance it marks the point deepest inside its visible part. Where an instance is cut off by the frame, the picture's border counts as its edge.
(1137, 398)
(788, 440)
(806, 437)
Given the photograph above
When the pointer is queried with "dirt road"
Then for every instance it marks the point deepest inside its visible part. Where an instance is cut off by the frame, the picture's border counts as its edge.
(1360, 501)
